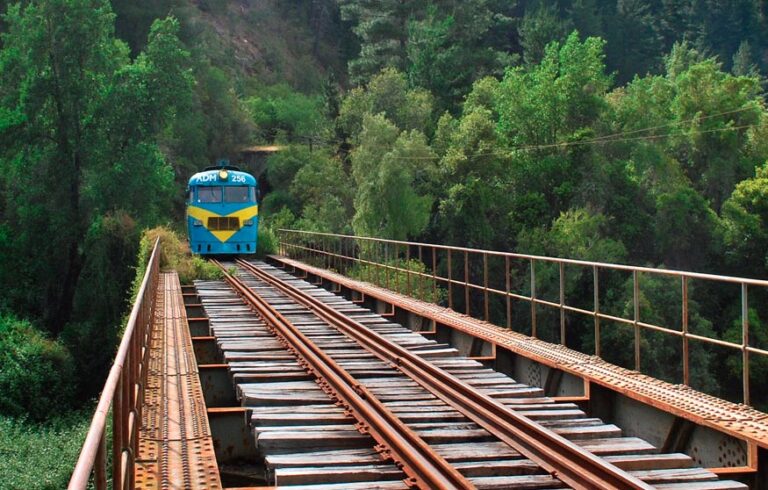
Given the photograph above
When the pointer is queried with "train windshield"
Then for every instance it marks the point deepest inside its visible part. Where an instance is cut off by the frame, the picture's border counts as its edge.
(209, 194)
(237, 194)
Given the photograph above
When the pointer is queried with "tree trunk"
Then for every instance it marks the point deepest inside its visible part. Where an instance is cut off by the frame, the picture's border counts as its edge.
(62, 313)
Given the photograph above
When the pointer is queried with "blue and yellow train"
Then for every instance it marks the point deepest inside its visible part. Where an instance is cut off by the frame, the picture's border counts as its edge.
(222, 211)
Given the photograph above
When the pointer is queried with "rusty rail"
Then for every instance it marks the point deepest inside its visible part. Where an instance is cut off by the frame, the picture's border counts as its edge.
(337, 251)
(424, 468)
(562, 458)
(122, 393)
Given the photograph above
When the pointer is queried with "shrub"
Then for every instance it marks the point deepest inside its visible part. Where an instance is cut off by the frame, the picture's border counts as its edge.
(175, 255)
(396, 277)
(267, 242)
(36, 373)
(40, 456)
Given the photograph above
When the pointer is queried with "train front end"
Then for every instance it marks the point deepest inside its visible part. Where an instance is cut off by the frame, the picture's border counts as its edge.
(222, 212)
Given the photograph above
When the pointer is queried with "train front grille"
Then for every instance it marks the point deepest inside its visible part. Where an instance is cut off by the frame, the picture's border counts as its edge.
(223, 223)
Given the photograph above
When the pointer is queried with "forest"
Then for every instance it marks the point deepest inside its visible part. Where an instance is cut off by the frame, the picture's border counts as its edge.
(621, 131)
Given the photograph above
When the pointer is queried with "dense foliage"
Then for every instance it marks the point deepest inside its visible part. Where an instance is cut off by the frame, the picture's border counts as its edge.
(41, 455)
(622, 131)
(35, 372)
(560, 155)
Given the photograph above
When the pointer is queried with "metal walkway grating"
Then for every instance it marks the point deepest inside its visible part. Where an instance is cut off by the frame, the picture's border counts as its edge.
(175, 443)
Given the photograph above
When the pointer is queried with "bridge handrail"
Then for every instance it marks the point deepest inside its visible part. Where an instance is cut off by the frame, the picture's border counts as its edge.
(122, 392)
(544, 258)
(337, 255)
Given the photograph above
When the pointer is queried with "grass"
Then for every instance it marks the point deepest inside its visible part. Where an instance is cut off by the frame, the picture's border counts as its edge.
(41, 456)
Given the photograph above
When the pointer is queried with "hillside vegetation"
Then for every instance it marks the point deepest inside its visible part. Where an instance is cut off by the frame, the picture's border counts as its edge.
(625, 131)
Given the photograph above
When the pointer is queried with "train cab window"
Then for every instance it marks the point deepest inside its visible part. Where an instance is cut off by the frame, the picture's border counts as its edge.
(236, 194)
(252, 192)
(209, 194)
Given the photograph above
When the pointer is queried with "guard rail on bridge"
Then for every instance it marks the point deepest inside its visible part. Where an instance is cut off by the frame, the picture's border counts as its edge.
(528, 278)
(122, 393)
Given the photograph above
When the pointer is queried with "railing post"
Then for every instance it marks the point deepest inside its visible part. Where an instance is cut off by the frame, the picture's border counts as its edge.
(420, 287)
(507, 282)
(434, 274)
(327, 252)
(408, 269)
(386, 263)
(596, 283)
(686, 354)
(485, 286)
(450, 281)
(466, 282)
(117, 433)
(375, 262)
(100, 465)
(562, 303)
(745, 341)
(533, 298)
(636, 304)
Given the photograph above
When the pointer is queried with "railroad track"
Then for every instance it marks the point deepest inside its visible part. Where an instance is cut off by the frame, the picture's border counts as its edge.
(344, 398)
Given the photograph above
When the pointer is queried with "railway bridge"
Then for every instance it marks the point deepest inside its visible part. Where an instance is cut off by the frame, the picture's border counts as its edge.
(356, 363)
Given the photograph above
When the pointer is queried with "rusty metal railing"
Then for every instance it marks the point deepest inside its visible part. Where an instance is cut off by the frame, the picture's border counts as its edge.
(384, 262)
(122, 392)
(563, 459)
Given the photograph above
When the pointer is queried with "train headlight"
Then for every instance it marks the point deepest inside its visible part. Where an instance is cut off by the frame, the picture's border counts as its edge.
(248, 222)
(223, 174)
(197, 222)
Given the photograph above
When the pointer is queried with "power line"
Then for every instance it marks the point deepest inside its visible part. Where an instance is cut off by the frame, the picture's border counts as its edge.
(618, 137)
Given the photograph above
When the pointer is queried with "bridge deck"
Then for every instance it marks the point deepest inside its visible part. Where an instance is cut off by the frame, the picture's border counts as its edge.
(734, 419)
(175, 444)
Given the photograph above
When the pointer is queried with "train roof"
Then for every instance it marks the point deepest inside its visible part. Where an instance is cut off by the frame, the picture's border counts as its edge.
(211, 177)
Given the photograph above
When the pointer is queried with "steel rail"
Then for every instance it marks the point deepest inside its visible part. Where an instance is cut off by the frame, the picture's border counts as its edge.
(562, 458)
(424, 467)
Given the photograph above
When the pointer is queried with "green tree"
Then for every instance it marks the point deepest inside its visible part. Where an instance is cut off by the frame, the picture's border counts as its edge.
(474, 202)
(542, 104)
(539, 28)
(576, 234)
(447, 52)
(390, 169)
(716, 111)
(587, 18)
(743, 65)
(745, 222)
(387, 94)
(79, 124)
(226, 124)
(134, 19)
(676, 21)
(724, 24)
(285, 115)
(382, 27)
(35, 372)
(633, 41)
(325, 192)
(687, 230)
